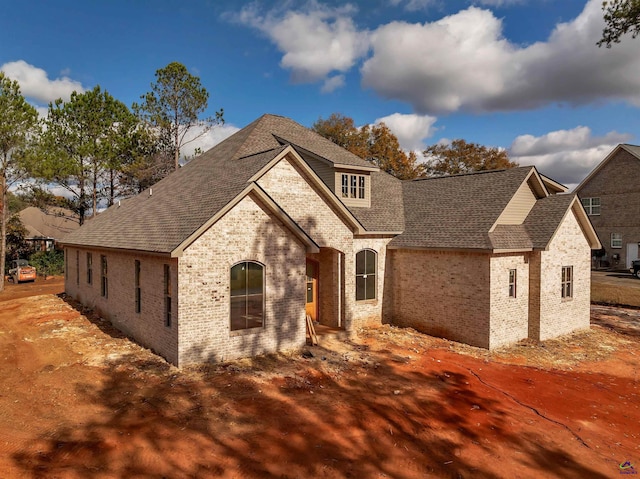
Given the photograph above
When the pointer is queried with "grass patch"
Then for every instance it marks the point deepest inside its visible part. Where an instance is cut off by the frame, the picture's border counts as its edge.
(619, 294)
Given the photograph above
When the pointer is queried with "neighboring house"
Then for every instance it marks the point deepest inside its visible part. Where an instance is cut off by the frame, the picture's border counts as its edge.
(226, 257)
(611, 196)
(46, 227)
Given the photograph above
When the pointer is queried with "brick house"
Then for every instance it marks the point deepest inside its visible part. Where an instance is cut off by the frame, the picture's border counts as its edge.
(611, 196)
(225, 257)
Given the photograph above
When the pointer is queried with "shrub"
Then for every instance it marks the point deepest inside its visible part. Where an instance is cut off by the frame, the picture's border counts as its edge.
(48, 263)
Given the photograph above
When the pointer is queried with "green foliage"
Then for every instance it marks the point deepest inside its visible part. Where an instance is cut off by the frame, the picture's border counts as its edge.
(620, 17)
(83, 147)
(48, 263)
(462, 157)
(173, 107)
(375, 143)
(18, 125)
(17, 247)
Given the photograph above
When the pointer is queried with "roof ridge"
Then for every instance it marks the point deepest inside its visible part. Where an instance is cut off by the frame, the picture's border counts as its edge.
(470, 173)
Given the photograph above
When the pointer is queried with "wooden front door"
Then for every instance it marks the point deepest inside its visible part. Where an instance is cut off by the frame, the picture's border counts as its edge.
(312, 289)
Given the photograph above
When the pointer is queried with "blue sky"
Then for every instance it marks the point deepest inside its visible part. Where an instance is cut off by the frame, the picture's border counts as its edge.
(520, 74)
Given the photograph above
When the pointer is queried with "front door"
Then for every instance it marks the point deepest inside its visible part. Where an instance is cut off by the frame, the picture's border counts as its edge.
(312, 289)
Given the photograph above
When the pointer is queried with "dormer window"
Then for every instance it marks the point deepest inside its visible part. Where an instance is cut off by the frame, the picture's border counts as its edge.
(353, 186)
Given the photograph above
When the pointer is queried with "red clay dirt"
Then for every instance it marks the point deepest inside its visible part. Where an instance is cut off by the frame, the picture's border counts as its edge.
(79, 400)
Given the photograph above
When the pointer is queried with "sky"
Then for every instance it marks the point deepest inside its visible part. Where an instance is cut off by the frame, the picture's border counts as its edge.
(524, 75)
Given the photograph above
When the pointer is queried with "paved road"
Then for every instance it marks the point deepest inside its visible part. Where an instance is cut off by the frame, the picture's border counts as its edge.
(615, 278)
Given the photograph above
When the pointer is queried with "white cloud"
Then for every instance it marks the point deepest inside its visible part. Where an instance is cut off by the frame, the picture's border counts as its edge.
(332, 83)
(566, 156)
(315, 41)
(463, 62)
(414, 5)
(499, 3)
(206, 141)
(35, 83)
(410, 129)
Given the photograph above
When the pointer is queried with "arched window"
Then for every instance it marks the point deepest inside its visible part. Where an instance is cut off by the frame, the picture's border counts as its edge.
(247, 295)
(366, 267)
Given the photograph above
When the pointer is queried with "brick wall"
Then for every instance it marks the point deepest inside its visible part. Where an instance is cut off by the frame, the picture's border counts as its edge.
(618, 188)
(249, 232)
(559, 315)
(288, 185)
(147, 327)
(509, 315)
(443, 294)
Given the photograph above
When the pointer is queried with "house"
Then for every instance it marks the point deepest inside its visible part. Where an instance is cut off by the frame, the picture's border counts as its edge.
(46, 227)
(225, 257)
(611, 196)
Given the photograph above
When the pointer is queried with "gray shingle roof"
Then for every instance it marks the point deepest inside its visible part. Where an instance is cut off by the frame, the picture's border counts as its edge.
(453, 212)
(178, 206)
(456, 211)
(545, 217)
(386, 212)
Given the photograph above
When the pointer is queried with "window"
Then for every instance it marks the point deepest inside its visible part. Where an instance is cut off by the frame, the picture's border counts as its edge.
(567, 281)
(104, 284)
(591, 206)
(167, 296)
(616, 240)
(89, 268)
(247, 296)
(512, 283)
(353, 186)
(345, 186)
(137, 285)
(366, 274)
(77, 267)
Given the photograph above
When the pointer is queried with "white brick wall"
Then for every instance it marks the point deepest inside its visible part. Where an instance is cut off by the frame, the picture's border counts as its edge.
(444, 294)
(249, 232)
(509, 316)
(560, 316)
(119, 306)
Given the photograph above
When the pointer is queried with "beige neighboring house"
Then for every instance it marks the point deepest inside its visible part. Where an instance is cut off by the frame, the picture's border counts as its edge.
(611, 196)
(46, 228)
(226, 257)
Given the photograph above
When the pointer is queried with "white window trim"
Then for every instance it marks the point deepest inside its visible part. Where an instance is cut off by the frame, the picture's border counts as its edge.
(589, 205)
(616, 243)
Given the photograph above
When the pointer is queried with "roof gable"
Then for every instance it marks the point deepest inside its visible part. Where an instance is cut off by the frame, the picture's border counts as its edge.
(459, 211)
(631, 149)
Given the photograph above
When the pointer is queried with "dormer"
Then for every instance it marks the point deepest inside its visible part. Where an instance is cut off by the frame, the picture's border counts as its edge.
(353, 187)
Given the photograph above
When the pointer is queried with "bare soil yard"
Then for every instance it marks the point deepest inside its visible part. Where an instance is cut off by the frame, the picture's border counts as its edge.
(78, 400)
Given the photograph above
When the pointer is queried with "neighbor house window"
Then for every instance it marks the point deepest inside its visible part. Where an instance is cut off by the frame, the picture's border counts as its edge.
(616, 240)
(366, 274)
(89, 268)
(512, 283)
(567, 281)
(591, 206)
(247, 295)
(104, 284)
(167, 296)
(137, 285)
(353, 186)
(77, 267)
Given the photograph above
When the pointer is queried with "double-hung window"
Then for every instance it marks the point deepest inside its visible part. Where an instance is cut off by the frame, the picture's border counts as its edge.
(616, 240)
(104, 283)
(167, 296)
(247, 296)
(591, 206)
(353, 186)
(512, 283)
(567, 281)
(366, 266)
(136, 280)
(89, 268)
